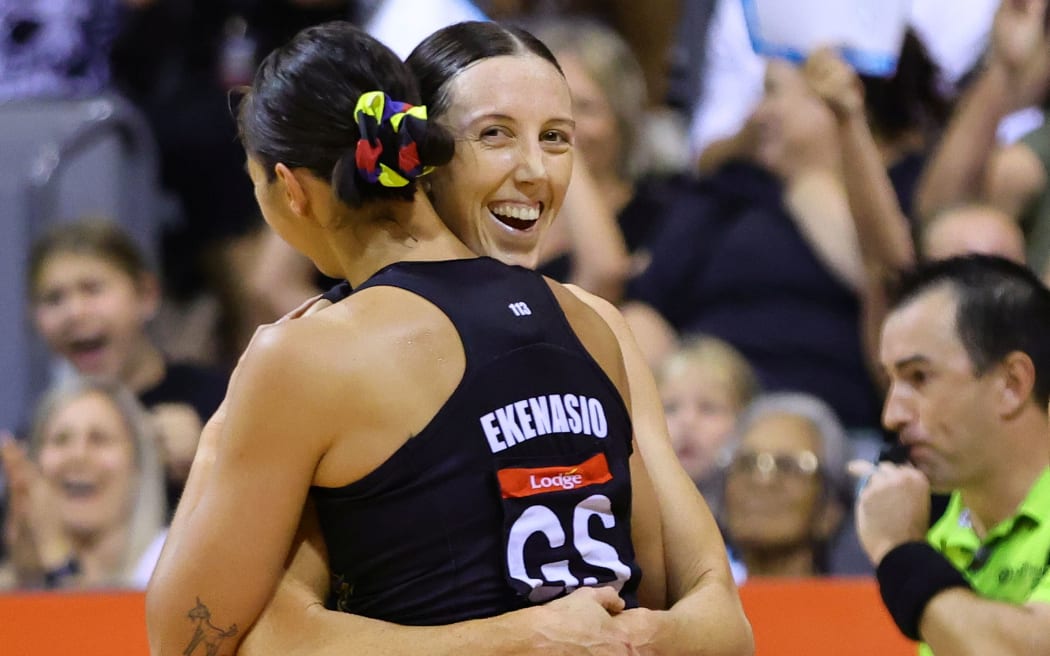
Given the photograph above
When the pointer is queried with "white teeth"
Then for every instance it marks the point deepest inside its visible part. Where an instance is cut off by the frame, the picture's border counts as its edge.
(517, 212)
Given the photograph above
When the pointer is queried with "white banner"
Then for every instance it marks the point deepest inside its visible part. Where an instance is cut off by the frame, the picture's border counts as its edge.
(867, 33)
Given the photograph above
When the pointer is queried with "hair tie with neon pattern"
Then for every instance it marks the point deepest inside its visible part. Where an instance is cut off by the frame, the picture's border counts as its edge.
(378, 116)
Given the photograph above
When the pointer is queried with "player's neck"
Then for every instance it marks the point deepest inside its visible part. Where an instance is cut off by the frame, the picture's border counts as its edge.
(409, 232)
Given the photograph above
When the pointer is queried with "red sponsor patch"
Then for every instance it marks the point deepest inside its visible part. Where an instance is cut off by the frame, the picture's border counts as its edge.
(525, 482)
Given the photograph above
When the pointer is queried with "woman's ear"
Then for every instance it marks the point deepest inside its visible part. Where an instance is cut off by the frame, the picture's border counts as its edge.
(307, 195)
(294, 189)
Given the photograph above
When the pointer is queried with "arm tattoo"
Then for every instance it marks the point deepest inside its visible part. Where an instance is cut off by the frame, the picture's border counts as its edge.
(207, 633)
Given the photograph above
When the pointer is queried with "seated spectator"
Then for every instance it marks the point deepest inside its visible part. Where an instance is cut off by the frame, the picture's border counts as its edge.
(786, 486)
(92, 297)
(704, 385)
(177, 61)
(86, 507)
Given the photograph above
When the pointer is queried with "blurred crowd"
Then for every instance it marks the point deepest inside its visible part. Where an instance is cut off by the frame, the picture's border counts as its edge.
(745, 213)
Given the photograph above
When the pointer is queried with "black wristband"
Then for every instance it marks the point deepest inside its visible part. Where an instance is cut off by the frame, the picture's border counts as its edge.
(56, 578)
(909, 576)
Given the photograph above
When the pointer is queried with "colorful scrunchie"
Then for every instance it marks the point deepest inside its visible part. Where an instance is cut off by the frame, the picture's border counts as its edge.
(376, 112)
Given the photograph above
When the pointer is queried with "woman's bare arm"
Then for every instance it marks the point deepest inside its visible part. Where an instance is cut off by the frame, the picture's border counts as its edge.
(706, 616)
(226, 549)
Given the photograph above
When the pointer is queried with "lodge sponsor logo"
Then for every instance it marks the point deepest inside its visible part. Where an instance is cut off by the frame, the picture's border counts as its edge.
(527, 481)
(566, 481)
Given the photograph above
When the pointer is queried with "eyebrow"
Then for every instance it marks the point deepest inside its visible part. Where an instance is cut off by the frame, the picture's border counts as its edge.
(910, 360)
(506, 117)
(888, 369)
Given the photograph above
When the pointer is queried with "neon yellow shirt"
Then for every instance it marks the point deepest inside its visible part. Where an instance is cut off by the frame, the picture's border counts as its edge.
(1011, 563)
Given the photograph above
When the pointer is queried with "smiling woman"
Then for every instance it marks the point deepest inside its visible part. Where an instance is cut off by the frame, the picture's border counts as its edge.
(514, 154)
(87, 502)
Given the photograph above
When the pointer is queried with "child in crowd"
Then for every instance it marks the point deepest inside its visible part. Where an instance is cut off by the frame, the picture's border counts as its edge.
(704, 385)
(86, 504)
(92, 296)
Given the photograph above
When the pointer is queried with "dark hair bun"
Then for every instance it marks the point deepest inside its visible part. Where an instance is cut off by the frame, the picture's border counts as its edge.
(438, 145)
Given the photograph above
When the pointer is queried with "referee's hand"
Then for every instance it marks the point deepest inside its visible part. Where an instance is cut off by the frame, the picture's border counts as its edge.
(893, 507)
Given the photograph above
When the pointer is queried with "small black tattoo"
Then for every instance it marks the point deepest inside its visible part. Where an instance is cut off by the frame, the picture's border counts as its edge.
(207, 633)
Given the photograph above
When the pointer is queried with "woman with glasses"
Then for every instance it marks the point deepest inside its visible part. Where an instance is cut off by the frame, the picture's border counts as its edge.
(786, 487)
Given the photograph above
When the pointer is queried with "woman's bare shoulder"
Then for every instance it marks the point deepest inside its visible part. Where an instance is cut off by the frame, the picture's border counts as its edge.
(608, 312)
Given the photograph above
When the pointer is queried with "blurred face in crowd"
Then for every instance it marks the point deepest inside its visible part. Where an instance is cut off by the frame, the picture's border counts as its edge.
(701, 409)
(91, 312)
(774, 486)
(973, 229)
(943, 412)
(598, 139)
(87, 455)
(795, 129)
(512, 119)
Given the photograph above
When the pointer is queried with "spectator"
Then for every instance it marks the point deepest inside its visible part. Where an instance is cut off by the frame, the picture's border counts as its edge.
(965, 348)
(766, 259)
(884, 233)
(609, 102)
(92, 298)
(87, 505)
(786, 485)
(704, 385)
(787, 228)
(970, 165)
(972, 228)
